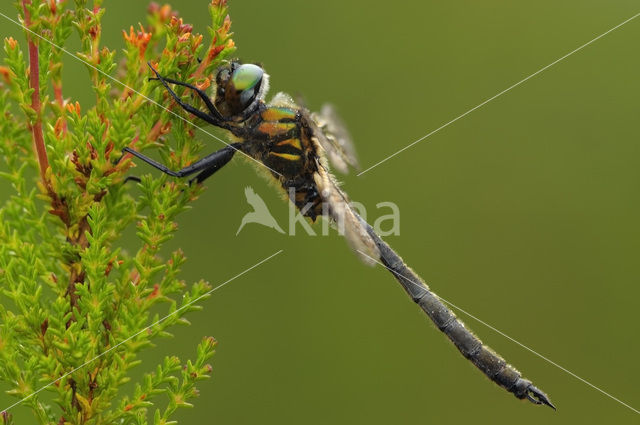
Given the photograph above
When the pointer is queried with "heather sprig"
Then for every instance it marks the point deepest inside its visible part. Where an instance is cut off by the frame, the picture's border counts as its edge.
(69, 293)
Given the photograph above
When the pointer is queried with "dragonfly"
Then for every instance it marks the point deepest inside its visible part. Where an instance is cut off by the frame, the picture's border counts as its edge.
(298, 148)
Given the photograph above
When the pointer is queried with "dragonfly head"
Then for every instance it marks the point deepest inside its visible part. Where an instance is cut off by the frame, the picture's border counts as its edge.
(240, 88)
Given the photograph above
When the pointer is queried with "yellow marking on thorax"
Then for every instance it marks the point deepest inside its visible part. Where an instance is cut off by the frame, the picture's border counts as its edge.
(287, 156)
(291, 142)
(276, 128)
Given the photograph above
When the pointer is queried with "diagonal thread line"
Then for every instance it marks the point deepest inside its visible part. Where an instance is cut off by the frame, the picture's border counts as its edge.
(135, 91)
(141, 331)
(500, 94)
(506, 336)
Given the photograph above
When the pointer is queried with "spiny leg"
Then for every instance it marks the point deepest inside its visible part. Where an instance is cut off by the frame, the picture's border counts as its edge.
(211, 119)
(210, 163)
(200, 92)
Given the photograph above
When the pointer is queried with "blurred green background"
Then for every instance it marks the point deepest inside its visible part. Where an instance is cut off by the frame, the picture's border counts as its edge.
(524, 213)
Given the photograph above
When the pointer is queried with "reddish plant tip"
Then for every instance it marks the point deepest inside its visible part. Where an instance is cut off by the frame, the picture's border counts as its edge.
(211, 341)
(44, 326)
(140, 39)
(81, 182)
(73, 108)
(59, 127)
(108, 149)
(166, 13)
(135, 278)
(180, 27)
(108, 269)
(204, 84)
(6, 74)
(92, 151)
(94, 32)
(128, 407)
(11, 42)
(215, 51)
(197, 40)
(131, 36)
(155, 292)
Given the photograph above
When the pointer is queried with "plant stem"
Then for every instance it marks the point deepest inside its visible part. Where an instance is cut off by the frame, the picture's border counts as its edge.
(34, 80)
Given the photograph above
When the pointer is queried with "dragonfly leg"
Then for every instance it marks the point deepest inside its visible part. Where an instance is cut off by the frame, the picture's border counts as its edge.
(213, 118)
(131, 179)
(205, 98)
(221, 161)
(209, 164)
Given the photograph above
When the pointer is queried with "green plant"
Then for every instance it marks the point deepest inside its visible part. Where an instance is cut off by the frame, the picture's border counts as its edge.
(72, 302)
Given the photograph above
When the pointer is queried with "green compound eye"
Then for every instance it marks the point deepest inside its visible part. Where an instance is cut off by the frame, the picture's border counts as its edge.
(243, 87)
(246, 77)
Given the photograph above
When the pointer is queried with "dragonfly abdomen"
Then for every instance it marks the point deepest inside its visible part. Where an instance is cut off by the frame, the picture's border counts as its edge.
(471, 347)
(306, 198)
(483, 357)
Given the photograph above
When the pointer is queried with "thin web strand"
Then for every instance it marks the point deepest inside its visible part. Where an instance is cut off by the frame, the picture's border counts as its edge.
(137, 92)
(499, 94)
(139, 332)
(506, 336)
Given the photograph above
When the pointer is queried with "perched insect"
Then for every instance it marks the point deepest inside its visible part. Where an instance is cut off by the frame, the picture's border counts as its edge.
(294, 145)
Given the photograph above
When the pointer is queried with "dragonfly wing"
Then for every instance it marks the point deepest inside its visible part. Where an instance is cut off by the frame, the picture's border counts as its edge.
(335, 139)
(283, 100)
(347, 221)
